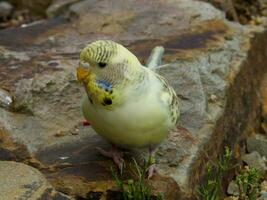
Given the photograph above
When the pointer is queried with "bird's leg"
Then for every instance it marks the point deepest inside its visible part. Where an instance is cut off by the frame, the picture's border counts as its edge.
(151, 162)
(115, 154)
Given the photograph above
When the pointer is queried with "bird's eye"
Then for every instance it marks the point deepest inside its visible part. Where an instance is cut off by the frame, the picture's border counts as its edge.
(102, 64)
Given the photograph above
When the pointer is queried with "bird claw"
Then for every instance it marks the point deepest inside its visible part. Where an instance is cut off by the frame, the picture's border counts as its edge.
(85, 123)
(114, 154)
(152, 163)
(151, 171)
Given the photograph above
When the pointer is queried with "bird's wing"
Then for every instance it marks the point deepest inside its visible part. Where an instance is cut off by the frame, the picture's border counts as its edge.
(173, 100)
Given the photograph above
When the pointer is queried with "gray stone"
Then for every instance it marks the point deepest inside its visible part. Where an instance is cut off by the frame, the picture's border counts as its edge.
(257, 143)
(5, 9)
(263, 195)
(20, 181)
(263, 190)
(264, 186)
(5, 99)
(59, 7)
(36, 7)
(255, 160)
(233, 189)
(193, 100)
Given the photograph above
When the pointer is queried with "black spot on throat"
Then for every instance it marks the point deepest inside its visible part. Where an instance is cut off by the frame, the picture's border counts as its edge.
(106, 101)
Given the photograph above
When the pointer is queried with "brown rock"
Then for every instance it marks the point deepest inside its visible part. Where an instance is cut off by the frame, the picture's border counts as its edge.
(231, 198)
(19, 181)
(257, 143)
(255, 160)
(264, 186)
(11, 150)
(58, 7)
(233, 189)
(35, 6)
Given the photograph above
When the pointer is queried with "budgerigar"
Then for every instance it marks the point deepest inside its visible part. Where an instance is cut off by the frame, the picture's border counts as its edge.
(126, 103)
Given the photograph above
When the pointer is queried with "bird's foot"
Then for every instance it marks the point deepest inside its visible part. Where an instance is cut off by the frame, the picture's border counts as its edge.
(115, 155)
(151, 170)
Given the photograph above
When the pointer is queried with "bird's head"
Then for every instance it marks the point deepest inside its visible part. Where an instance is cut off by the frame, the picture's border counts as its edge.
(106, 61)
(105, 69)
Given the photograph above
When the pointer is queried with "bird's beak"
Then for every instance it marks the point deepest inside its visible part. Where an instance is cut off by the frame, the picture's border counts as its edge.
(82, 73)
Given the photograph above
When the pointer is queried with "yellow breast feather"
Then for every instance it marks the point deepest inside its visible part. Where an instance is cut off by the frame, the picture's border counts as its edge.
(98, 93)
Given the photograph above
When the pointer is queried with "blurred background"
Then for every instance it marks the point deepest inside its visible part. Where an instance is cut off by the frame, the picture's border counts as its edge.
(18, 12)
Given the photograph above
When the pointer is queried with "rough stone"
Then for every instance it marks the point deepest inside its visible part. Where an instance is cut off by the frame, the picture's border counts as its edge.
(231, 198)
(35, 6)
(6, 99)
(10, 149)
(59, 7)
(263, 196)
(264, 127)
(233, 189)
(264, 186)
(257, 143)
(263, 190)
(205, 57)
(19, 181)
(5, 9)
(255, 160)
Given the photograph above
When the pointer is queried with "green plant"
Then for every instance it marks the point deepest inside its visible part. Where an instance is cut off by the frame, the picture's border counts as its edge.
(248, 182)
(212, 187)
(135, 189)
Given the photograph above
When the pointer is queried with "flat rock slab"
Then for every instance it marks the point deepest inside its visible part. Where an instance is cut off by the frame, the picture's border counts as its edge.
(257, 142)
(20, 181)
(215, 66)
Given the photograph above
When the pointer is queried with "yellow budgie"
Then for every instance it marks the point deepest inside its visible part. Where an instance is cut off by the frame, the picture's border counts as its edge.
(126, 103)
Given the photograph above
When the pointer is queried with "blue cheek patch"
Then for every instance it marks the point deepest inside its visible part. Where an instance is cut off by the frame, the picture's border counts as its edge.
(104, 85)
